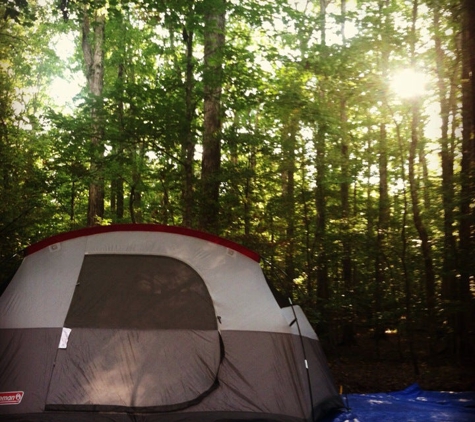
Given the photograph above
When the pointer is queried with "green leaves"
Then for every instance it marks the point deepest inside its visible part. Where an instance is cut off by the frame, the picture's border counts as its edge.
(310, 134)
(18, 11)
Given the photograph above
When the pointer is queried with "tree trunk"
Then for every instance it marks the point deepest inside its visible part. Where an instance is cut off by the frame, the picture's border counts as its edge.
(323, 288)
(408, 281)
(465, 320)
(309, 246)
(449, 264)
(288, 194)
(429, 274)
(323, 21)
(135, 199)
(322, 270)
(117, 183)
(249, 190)
(346, 264)
(93, 51)
(212, 77)
(384, 203)
(382, 232)
(188, 145)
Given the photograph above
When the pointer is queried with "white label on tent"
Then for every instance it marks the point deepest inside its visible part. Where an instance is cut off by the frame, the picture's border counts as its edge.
(63, 342)
(55, 247)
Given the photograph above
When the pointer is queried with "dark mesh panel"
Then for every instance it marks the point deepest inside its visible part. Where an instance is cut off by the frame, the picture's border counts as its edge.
(139, 291)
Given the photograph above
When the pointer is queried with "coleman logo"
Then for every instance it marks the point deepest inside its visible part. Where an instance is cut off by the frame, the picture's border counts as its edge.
(11, 397)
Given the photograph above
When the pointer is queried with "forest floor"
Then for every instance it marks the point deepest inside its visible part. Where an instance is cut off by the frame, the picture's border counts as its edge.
(370, 367)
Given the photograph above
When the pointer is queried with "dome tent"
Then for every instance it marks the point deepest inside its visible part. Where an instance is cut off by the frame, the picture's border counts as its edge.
(154, 323)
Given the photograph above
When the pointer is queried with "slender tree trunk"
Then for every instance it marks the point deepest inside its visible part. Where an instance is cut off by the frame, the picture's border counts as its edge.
(135, 199)
(288, 194)
(93, 51)
(426, 184)
(408, 282)
(449, 264)
(308, 245)
(429, 273)
(384, 203)
(323, 288)
(382, 232)
(212, 76)
(346, 264)
(370, 201)
(348, 330)
(167, 213)
(466, 316)
(343, 21)
(72, 203)
(322, 270)
(323, 21)
(117, 184)
(248, 190)
(188, 145)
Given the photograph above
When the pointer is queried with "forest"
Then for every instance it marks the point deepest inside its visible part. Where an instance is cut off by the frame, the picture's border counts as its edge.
(334, 137)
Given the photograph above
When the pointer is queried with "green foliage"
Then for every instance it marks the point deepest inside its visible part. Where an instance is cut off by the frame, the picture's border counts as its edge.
(304, 115)
(19, 11)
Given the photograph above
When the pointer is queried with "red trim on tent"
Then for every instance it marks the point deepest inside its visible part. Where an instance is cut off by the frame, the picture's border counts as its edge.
(89, 231)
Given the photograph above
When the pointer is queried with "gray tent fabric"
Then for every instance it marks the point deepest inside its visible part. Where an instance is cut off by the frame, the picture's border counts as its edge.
(118, 370)
(154, 323)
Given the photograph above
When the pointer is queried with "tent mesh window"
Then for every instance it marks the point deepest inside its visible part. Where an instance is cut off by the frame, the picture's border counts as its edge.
(143, 292)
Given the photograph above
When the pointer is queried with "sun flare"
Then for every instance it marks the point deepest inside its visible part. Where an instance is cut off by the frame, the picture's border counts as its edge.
(409, 83)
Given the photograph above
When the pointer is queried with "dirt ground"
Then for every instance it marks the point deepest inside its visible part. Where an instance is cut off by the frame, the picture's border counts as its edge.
(368, 366)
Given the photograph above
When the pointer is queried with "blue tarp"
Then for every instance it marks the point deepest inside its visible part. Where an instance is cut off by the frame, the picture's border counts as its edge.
(410, 405)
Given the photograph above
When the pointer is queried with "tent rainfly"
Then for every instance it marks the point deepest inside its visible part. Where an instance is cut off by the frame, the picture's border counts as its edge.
(154, 323)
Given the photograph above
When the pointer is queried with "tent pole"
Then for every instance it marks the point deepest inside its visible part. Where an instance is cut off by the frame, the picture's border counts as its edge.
(305, 358)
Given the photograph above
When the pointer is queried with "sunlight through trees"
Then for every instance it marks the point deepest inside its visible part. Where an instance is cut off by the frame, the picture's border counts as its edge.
(334, 137)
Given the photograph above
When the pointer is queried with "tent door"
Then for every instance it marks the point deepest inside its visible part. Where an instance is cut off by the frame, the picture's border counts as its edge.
(143, 337)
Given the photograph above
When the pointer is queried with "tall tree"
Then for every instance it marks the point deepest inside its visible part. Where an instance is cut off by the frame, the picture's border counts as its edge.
(93, 53)
(419, 223)
(214, 39)
(408, 279)
(467, 209)
(188, 144)
(289, 146)
(446, 83)
(348, 331)
(384, 202)
(323, 287)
